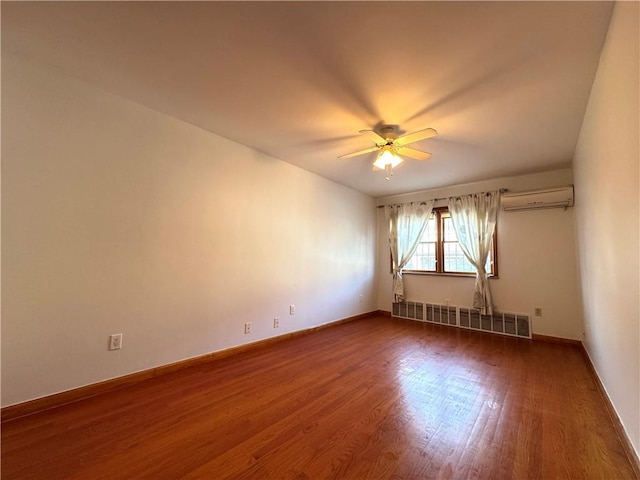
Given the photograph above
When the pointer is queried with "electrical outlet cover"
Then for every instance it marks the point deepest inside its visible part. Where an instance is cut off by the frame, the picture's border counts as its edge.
(115, 341)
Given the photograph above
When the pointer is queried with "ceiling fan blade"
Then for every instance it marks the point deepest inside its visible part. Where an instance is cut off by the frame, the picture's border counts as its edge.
(360, 152)
(373, 136)
(416, 136)
(413, 153)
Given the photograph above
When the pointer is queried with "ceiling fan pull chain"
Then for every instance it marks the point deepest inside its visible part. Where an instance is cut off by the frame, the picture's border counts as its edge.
(388, 170)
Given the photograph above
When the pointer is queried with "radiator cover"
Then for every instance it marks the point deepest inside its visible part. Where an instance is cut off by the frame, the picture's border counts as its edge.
(502, 323)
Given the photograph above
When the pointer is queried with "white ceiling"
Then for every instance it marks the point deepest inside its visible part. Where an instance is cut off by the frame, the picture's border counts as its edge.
(504, 83)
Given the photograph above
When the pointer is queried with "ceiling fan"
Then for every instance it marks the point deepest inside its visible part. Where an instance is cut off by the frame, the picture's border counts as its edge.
(390, 146)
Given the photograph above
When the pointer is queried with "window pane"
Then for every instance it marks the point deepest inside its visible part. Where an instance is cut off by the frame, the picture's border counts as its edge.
(455, 260)
(424, 258)
(431, 232)
(449, 231)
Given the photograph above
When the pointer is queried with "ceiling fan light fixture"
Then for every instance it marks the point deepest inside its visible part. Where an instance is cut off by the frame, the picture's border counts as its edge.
(387, 158)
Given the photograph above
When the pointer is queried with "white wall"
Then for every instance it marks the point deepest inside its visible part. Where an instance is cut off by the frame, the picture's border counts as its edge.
(607, 212)
(536, 260)
(119, 219)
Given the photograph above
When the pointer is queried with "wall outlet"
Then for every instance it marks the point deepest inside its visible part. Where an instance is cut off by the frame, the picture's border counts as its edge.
(537, 311)
(115, 341)
(276, 322)
(292, 309)
(361, 299)
(247, 327)
(447, 301)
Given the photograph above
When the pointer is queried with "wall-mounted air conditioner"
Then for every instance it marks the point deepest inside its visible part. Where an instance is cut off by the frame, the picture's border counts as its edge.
(559, 197)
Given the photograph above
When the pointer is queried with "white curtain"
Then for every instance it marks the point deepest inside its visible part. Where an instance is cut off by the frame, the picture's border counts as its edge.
(407, 222)
(474, 220)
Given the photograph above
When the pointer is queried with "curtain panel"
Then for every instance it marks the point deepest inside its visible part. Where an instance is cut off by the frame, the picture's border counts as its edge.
(407, 223)
(474, 221)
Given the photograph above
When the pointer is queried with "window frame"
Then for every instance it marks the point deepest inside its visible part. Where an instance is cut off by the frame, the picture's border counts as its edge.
(438, 212)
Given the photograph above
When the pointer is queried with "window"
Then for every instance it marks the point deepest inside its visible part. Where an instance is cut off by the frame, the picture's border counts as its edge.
(439, 251)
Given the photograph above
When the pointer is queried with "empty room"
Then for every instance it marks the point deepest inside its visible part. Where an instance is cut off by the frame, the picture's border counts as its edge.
(320, 240)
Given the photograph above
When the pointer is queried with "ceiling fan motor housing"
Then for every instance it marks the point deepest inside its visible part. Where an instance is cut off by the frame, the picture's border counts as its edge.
(388, 132)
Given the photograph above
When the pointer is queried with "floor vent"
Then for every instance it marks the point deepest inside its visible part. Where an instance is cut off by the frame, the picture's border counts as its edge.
(512, 324)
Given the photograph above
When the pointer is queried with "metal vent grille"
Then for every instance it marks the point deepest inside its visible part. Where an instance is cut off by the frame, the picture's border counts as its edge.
(512, 324)
(444, 314)
(409, 309)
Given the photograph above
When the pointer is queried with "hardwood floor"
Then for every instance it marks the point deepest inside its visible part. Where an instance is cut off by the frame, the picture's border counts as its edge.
(371, 399)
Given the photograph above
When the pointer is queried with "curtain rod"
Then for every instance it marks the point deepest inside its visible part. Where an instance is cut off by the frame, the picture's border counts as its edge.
(501, 190)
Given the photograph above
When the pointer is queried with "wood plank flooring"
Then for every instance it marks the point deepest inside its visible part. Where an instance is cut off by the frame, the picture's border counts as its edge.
(377, 398)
